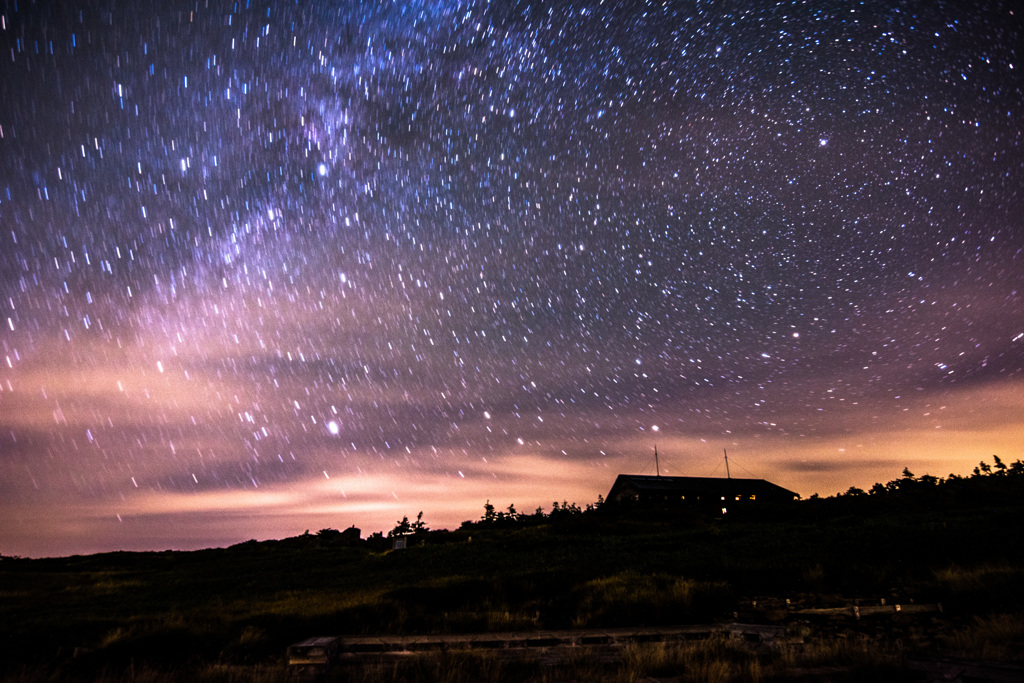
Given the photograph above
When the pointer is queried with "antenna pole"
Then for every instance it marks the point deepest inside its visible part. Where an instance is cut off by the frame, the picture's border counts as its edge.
(657, 468)
(727, 475)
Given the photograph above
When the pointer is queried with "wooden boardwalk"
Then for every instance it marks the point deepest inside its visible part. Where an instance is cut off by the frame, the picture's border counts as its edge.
(313, 658)
(540, 640)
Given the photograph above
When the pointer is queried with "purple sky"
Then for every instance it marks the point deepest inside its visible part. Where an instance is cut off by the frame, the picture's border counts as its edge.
(267, 268)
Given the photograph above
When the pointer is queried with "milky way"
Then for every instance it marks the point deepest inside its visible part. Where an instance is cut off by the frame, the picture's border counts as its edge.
(267, 266)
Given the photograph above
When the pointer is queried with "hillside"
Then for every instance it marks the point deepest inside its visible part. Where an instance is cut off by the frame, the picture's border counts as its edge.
(226, 614)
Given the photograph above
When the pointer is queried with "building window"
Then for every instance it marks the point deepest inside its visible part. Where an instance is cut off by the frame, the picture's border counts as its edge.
(724, 511)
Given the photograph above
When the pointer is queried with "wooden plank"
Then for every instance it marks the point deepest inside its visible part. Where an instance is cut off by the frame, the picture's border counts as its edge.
(547, 639)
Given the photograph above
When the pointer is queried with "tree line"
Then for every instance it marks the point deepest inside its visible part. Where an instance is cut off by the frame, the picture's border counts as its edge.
(985, 483)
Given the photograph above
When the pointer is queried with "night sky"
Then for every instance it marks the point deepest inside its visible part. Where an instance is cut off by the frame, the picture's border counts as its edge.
(269, 267)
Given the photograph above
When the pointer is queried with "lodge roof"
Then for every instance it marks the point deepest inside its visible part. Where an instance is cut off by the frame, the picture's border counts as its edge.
(656, 485)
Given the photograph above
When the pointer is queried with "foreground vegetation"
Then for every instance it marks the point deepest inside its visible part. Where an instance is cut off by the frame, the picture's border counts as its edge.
(229, 614)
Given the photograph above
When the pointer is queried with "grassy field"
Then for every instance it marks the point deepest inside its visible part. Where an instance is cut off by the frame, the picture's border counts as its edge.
(229, 614)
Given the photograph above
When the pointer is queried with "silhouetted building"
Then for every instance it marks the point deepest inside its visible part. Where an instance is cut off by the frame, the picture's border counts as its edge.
(704, 493)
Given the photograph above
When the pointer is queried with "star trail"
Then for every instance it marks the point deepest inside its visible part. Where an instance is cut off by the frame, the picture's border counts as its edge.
(271, 266)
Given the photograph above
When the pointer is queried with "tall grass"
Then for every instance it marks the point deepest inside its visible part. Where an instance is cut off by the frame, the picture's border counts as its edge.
(715, 660)
(997, 637)
(840, 652)
(458, 666)
(977, 588)
(630, 599)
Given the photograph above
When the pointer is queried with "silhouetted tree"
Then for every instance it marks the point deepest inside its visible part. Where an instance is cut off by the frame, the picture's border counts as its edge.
(402, 528)
(489, 514)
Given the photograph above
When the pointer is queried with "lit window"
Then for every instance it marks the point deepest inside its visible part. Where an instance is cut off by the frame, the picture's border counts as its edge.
(753, 497)
(724, 511)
